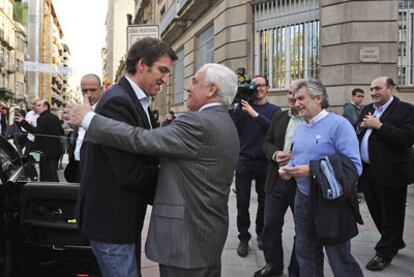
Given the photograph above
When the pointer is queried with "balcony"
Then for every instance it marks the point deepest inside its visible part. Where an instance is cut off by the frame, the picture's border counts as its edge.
(171, 14)
(180, 15)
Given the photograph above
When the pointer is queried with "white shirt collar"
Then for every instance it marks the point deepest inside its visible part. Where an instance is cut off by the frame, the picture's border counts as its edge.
(385, 106)
(213, 104)
(138, 91)
(317, 118)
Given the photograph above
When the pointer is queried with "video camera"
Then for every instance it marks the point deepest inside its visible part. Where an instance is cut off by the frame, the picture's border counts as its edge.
(246, 89)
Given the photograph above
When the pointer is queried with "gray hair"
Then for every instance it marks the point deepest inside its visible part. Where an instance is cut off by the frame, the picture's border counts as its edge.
(315, 88)
(224, 78)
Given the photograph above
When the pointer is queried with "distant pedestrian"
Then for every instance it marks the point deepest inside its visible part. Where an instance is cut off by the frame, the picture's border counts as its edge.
(16, 133)
(386, 134)
(48, 132)
(170, 118)
(352, 109)
(31, 118)
(156, 118)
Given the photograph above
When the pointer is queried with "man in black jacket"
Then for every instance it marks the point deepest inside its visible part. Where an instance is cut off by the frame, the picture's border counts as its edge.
(47, 133)
(386, 134)
(279, 193)
(112, 204)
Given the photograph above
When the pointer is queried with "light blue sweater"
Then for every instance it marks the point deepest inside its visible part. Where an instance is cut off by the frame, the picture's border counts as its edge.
(330, 135)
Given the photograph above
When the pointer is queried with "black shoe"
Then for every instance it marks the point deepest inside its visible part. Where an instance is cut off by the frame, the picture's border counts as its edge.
(260, 242)
(377, 263)
(243, 248)
(267, 271)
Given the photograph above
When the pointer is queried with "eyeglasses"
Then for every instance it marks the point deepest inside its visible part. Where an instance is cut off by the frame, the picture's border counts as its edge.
(261, 85)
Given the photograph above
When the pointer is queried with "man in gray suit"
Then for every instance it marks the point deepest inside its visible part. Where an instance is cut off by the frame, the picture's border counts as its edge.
(199, 150)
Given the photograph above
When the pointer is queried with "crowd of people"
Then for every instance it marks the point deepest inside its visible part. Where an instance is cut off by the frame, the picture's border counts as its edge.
(305, 157)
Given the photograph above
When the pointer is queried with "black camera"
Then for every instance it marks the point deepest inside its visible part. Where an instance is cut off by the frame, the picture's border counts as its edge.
(246, 90)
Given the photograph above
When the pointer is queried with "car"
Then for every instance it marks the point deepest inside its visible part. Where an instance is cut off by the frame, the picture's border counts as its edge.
(38, 230)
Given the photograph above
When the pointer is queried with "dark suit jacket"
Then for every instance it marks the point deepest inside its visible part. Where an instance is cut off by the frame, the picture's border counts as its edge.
(274, 141)
(390, 147)
(47, 124)
(116, 186)
(335, 220)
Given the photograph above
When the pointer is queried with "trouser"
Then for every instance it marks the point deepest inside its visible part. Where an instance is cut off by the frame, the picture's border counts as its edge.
(387, 208)
(309, 251)
(117, 260)
(246, 171)
(170, 271)
(48, 169)
(277, 202)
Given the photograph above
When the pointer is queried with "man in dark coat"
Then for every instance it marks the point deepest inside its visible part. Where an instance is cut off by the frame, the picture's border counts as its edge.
(47, 140)
(386, 134)
(116, 185)
(279, 193)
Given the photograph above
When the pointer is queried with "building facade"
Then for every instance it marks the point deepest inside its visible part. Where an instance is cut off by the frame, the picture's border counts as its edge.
(116, 38)
(344, 43)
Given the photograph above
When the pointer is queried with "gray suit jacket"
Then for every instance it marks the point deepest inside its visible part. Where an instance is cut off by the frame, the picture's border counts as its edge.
(199, 151)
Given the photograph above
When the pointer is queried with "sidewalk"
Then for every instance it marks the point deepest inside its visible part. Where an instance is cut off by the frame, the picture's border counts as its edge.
(362, 245)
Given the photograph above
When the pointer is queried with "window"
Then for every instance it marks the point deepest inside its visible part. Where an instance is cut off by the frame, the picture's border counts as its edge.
(406, 43)
(178, 96)
(287, 40)
(205, 47)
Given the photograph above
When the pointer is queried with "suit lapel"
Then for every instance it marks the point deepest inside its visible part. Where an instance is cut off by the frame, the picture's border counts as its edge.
(124, 83)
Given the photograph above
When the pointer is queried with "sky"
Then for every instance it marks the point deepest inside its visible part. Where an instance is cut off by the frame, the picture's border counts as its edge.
(83, 25)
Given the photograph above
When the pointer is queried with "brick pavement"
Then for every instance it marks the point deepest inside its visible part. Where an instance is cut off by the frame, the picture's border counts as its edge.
(362, 246)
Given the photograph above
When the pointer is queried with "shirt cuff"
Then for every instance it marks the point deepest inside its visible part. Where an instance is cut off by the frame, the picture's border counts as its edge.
(87, 120)
(274, 155)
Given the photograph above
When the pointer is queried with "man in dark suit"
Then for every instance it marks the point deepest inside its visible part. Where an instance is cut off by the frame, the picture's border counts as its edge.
(92, 87)
(116, 185)
(279, 193)
(199, 150)
(47, 140)
(386, 134)
(3, 121)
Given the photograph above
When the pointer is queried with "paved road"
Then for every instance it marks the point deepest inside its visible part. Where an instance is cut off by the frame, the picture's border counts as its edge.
(362, 246)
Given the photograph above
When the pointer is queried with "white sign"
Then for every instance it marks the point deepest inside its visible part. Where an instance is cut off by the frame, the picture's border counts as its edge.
(136, 32)
(369, 54)
(46, 68)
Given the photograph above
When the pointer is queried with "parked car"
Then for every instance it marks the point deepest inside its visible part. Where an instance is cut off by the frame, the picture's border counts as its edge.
(38, 232)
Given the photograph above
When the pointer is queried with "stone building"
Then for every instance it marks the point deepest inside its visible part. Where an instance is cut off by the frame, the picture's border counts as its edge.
(345, 43)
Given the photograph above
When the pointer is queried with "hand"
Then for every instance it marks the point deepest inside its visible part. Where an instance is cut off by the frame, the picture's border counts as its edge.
(370, 121)
(283, 157)
(74, 113)
(297, 171)
(245, 106)
(283, 173)
(18, 118)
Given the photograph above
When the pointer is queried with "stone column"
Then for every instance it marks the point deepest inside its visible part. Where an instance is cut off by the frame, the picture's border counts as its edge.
(359, 41)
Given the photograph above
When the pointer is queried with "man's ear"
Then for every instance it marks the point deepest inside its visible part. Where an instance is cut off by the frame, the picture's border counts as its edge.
(213, 90)
(140, 66)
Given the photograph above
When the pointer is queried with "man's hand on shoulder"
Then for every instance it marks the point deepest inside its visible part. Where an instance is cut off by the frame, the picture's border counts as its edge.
(74, 113)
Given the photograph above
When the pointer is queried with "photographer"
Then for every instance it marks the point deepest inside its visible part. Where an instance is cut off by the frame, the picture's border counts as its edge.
(252, 120)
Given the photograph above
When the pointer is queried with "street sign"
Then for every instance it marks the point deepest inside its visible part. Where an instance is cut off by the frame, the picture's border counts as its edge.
(46, 68)
(136, 32)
